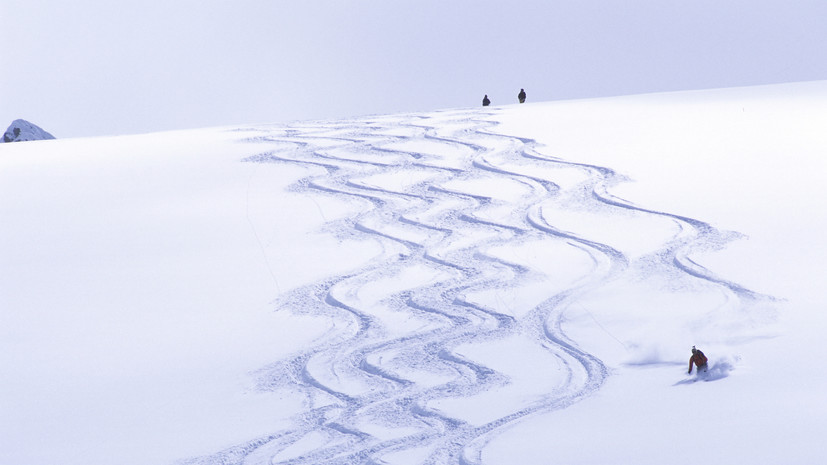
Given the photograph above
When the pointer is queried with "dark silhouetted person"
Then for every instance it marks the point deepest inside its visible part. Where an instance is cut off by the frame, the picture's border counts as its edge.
(485, 101)
(698, 359)
(521, 96)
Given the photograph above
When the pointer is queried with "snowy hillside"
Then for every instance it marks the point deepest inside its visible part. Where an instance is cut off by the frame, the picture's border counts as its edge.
(516, 284)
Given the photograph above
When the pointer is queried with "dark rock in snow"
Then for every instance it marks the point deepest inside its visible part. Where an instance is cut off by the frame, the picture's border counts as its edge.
(22, 130)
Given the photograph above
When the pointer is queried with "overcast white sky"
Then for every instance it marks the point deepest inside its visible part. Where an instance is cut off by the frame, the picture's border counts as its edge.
(103, 67)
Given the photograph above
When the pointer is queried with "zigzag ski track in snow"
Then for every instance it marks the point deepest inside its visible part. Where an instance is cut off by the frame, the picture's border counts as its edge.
(405, 376)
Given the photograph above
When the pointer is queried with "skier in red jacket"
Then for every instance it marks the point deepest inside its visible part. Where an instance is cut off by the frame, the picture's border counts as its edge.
(699, 359)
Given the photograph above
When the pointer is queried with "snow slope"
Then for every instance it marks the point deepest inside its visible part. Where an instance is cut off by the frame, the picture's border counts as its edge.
(517, 284)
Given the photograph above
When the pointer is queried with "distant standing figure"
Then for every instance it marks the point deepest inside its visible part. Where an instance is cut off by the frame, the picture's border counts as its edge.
(698, 359)
(485, 101)
(521, 96)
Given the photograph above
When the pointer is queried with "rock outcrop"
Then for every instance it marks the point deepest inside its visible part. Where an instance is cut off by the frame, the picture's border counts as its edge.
(22, 130)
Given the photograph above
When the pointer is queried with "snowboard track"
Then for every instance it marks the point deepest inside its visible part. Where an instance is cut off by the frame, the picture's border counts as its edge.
(362, 375)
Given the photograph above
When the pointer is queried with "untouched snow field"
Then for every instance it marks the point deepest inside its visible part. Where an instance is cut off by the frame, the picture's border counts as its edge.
(517, 284)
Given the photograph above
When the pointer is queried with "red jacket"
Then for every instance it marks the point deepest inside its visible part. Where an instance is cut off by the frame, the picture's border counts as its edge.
(698, 358)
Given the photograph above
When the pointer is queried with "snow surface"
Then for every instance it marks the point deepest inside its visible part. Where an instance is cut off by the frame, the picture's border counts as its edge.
(516, 284)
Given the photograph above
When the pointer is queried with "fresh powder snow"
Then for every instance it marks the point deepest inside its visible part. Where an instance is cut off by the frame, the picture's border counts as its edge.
(499, 285)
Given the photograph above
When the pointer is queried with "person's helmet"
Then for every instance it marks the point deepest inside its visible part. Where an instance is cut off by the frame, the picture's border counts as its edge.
(693, 349)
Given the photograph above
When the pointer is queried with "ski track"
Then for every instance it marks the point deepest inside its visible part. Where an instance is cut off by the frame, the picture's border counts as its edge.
(361, 372)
